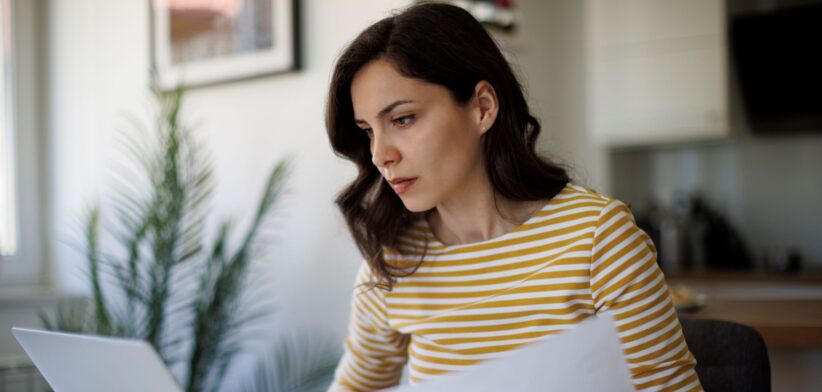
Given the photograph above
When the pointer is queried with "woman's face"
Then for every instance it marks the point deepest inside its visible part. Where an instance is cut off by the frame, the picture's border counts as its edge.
(425, 144)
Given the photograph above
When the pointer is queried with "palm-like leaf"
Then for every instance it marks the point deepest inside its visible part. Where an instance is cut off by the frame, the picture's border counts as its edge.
(296, 364)
(214, 314)
(177, 294)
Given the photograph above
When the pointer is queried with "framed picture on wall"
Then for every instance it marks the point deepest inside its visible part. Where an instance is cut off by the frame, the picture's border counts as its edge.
(203, 42)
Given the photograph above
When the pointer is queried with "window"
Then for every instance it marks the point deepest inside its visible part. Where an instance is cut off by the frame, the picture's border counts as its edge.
(22, 242)
(8, 241)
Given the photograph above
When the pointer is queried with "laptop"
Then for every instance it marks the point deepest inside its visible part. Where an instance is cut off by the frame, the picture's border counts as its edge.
(83, 363)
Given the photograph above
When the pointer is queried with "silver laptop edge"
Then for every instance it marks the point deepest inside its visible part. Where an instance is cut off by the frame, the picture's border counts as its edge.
(85, 363)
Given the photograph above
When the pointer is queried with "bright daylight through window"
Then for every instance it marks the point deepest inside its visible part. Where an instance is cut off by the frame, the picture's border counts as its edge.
(7, 191)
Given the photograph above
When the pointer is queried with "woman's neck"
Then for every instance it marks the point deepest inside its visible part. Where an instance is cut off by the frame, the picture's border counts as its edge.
(479, 217)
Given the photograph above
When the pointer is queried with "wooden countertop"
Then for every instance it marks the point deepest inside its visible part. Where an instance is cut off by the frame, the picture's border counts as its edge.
(809, 277)
(786, 309)
(781, 322)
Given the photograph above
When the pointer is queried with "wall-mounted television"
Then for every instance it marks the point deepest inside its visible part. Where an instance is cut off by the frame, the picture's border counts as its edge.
(777, 53)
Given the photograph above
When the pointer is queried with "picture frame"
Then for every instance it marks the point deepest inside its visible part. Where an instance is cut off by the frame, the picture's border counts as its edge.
(204, 42)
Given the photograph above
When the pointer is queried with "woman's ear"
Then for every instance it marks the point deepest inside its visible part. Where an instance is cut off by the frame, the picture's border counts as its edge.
(487, 105)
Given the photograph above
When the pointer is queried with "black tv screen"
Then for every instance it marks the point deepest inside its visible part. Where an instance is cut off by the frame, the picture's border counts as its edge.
(778, 59)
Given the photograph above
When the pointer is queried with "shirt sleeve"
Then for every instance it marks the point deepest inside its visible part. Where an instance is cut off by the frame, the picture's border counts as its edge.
(626, 282)
(374, 352)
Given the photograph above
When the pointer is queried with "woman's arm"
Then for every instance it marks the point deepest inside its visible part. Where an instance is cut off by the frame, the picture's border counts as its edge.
(374, 352)
(627, 283)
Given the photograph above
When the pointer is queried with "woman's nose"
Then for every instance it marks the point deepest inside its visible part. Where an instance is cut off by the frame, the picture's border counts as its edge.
(383, 152)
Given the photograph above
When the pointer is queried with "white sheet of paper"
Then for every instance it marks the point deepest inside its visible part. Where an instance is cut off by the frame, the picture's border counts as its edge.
(585, 358)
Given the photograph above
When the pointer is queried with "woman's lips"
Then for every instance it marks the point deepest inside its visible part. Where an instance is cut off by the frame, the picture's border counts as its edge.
(401, 185)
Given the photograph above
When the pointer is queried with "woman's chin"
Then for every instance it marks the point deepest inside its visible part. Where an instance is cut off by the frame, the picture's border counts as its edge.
(415, 205)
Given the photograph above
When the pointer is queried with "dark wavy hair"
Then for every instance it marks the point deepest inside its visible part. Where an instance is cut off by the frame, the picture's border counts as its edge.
(445, 45)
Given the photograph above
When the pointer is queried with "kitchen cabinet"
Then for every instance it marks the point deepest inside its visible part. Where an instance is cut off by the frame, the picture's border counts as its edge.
(657, 71)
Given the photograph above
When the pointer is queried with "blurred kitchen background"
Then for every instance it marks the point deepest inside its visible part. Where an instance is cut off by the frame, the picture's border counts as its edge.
(704, 115)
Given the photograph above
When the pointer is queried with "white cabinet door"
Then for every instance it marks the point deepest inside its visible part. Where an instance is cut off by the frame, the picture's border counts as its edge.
(657, 70)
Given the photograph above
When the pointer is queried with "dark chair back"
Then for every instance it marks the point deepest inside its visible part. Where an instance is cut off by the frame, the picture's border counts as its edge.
(730, 356)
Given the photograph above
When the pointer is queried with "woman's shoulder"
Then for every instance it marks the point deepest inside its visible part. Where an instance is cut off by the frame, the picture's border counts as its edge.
(578, 196)
(581, 192)
(576, 201)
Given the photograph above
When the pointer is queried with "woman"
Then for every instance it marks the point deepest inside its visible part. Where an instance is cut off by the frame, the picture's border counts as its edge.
(475, 245)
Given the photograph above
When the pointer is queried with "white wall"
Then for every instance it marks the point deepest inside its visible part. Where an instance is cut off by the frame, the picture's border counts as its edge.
(98, 57)
(554, 62)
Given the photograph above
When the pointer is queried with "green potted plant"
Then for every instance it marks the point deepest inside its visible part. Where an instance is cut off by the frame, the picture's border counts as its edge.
(164, 273)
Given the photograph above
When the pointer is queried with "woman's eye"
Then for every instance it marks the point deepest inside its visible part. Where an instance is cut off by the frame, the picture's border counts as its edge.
(404, 121)
(368, 132)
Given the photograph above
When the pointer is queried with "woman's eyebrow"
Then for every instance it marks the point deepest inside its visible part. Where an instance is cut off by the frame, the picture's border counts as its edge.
(386, 109)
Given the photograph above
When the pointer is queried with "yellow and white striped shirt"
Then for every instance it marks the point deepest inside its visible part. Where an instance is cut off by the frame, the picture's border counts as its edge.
(580, 255)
